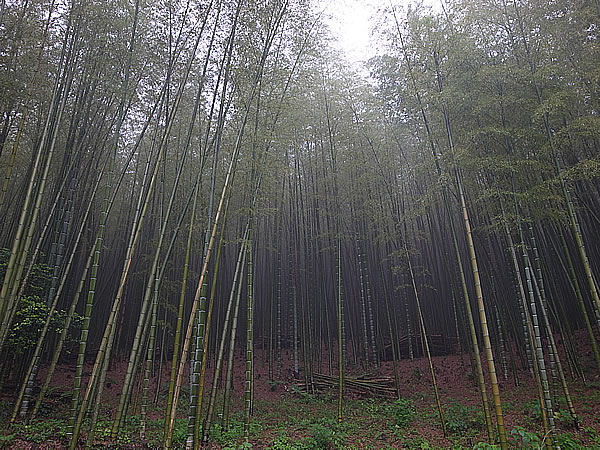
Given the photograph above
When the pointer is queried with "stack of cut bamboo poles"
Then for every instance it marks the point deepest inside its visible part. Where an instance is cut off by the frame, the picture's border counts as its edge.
(365, 385)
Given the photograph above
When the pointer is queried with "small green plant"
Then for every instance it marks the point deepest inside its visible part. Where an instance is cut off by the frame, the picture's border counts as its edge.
(103, 430)
(324, 437)
(417, 442)
(282, 442)
(594, 436)
(461, 418)
(567, 442)
(485, 446)
(525, 439)
(307, 397)
(127, 435)
(274, 384)
(7, 439)
(225, 437)
(180, 433)
(39, 280)
(564, 416)
(403, 411)
(29, 322)
(533, 410)
(375, 408)
(42, 431)
(233, 436)
(417, 373)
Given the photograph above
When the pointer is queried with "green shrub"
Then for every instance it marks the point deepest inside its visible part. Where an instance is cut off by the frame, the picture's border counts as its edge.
(594, 435)
(7, 439)
(533, 409)
(403, 411)
(180, 433)
(29, 322)
(461, 418)
(564, 416)
(567, 442)
(233, 435)
(42, 431)
(38, 283)
(282, 442)
(324, 437)
(525, 439)
(417, 442)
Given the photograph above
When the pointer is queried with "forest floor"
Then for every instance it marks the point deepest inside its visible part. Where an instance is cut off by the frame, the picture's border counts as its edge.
(287, 418)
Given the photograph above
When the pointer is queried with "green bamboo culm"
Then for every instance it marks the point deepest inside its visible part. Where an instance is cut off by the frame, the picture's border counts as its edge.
(74, 424)
(206, 327)
(230, 359)
(340, 319)
(149, 361)
(425, 339)
(473, 334)
(87, 314)
(546, 400)
(63, 335)
(483, 319)
(180, 312)
(135, 356)
(559, 372)
(249, 339)
(226, 325)
(479, 293)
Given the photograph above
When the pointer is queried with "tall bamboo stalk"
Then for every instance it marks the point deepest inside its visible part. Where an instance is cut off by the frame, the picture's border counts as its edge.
(104, 352)
(230, 360)
(226, 325)
(249, 338)
(425, 340)
(340, 335)
(546, 399)
(363, 307)
(474, 339)
(558, 372)
(483, 319)
(180, 311)
(573, 219)
(475, 270)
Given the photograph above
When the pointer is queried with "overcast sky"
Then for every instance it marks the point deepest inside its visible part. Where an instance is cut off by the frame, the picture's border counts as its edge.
(351, 22)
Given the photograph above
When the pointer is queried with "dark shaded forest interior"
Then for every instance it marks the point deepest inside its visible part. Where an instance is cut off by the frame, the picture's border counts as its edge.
(217, 232)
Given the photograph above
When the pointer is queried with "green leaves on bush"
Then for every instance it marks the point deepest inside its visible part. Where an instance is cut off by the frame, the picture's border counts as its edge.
(29, 321)
(461, 418)
(234, 434)
(567, 442)
(525, 439)
(325, 437)
(403, 411)
(39, 279)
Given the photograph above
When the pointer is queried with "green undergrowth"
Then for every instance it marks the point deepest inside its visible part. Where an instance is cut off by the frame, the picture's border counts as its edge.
(233, 437)
(308, 422)
(37, 432)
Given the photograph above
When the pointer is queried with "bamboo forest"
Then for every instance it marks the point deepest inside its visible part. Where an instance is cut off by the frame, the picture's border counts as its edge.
(218, 231)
